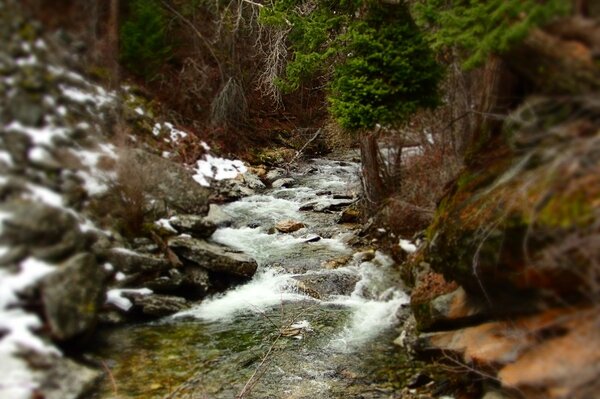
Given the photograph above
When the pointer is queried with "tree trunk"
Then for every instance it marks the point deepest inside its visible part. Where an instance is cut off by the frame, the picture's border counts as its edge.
(375, 185)
(113, 43)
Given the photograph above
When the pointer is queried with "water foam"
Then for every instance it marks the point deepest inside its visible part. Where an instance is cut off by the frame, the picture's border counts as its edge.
(265, 291)
(374, 303)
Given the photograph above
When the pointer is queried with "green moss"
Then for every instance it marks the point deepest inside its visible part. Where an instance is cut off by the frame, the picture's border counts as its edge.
(28, 32)
(566, 212)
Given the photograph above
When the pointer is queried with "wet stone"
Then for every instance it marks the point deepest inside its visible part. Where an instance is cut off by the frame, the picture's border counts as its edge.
(289, 226)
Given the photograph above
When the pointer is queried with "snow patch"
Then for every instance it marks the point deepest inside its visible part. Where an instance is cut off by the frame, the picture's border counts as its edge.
(165, 224)
(115, 296)
(215, 168)
(407, 246)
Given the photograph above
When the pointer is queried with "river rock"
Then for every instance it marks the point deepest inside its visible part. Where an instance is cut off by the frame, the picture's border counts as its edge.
(197, 281)
(253, 181)
(128, 261)
(170, 182)
(289, 226)
(337, 262)
(275, 174)
(58, 377)
(453, 309)
(156, 305)
(170, 282)
(323, 285)
(48, 233)
(230, 190)
(333, 205)
(196, 226)
(72, 295)
(218, 217)
(283, 183)
(349, 215)
(214, 257)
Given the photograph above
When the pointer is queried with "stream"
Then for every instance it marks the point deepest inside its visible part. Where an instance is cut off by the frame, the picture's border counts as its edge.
(268, 338)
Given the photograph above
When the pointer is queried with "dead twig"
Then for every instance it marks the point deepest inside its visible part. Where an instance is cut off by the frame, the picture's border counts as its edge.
(113, 383)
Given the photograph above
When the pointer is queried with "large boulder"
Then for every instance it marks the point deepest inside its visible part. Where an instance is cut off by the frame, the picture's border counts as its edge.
(168, 182)
(213, 257)
(72, 295)
(48, 233)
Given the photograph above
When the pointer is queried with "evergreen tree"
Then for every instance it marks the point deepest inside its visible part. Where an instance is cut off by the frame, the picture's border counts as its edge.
(379, 68)
(482, 27)
(144, 42)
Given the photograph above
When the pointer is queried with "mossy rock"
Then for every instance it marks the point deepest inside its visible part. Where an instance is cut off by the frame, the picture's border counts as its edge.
(502, 228)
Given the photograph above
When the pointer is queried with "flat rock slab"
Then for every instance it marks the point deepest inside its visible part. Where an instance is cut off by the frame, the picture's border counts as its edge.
(128, 261)
(323, 285)
(214, 257)
(327, 205)
(157, 305)
(194, 225)
(551, 355)
(289, 226)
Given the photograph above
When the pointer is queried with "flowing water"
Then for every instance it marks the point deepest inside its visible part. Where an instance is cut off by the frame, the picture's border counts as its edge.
(267, 338)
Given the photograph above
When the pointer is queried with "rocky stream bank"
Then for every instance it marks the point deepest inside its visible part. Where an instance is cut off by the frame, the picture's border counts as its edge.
(103, 232)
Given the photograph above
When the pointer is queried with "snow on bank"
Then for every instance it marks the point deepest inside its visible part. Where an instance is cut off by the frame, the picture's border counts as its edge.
(17, 330)
(215, 168)
(115, 296)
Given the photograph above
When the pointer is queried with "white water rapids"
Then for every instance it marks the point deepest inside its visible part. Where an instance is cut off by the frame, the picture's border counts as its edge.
(375, 299)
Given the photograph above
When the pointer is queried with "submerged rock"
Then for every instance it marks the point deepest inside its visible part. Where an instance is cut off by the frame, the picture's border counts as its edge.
(323, 285)
(214, 257)
(337, 262)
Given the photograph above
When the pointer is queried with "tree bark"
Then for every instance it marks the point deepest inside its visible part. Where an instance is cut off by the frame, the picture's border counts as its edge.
(113, 43)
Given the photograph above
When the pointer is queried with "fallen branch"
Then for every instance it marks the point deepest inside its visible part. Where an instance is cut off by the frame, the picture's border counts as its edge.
(299, 152)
